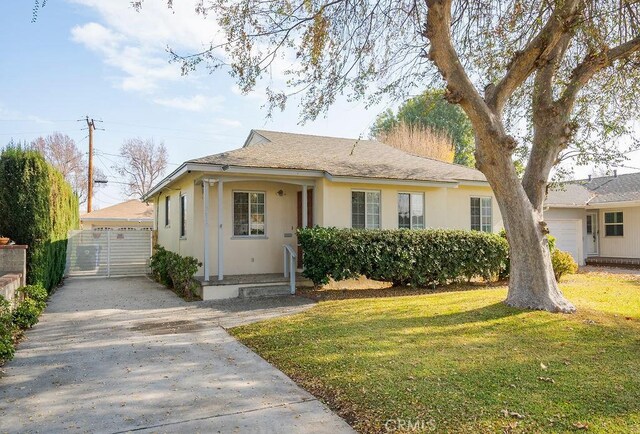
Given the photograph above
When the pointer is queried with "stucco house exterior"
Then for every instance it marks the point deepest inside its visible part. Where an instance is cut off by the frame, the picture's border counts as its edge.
(132, 214)
(235, 211)
(597, 220)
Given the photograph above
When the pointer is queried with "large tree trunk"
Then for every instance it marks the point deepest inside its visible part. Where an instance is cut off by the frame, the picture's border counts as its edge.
(532, 283)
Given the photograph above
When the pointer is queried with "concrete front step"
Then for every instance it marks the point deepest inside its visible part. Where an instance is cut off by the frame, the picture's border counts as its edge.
(264, 291)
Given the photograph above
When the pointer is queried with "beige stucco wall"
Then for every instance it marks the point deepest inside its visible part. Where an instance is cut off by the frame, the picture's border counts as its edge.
(93, 224)
(169, 236)
(444, 208)
(447, 208)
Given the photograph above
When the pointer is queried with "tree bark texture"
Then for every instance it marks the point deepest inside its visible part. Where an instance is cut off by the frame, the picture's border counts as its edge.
(532, 283)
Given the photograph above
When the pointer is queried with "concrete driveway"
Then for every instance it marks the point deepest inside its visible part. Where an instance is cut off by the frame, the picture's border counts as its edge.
(117, 355)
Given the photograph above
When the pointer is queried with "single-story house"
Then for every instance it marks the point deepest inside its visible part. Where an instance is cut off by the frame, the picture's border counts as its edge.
(597, 220)
(132, 214)
(236, 211)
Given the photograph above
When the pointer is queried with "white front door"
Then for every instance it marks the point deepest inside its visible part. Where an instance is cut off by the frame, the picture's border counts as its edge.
(592, 234)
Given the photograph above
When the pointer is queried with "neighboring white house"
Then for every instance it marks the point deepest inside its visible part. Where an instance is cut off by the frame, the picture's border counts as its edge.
(235, 211)
(597, 220)
(132, 214)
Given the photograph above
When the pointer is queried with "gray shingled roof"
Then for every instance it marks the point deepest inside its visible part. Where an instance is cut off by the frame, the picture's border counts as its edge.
(606, 189)
(339, 157)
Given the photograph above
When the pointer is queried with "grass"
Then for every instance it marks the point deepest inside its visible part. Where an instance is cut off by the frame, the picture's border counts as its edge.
(462, 361)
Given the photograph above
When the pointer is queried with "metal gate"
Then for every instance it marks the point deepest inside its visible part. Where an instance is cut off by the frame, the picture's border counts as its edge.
(109, 253)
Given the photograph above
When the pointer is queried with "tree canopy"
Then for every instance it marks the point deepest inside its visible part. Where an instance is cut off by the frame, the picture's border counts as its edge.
(431, 110)
(559, 77)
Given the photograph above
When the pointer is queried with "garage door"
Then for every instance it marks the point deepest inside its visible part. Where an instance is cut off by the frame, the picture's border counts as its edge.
(108, 253)
(568, 234)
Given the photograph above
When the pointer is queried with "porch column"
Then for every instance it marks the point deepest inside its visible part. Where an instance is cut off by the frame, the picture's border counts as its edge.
(205, 204)
(305, 212)
(220, 231)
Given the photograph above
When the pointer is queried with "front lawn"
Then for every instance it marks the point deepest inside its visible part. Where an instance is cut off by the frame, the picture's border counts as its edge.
(464, 362)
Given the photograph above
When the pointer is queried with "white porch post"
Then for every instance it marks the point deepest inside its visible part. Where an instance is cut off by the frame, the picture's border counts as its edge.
(305, 217)
(220, 231)
(205, 204)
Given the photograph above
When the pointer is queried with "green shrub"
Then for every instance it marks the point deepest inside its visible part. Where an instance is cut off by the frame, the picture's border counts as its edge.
(26, 314)
(158, 265)
(563, 263)
(181, 271)
(7, 349)
(174, 271)
(415, 257)
(35, 292)
(37, 208)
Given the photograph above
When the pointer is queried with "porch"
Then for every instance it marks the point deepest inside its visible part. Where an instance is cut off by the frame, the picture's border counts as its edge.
(248, 227)
(250, 285)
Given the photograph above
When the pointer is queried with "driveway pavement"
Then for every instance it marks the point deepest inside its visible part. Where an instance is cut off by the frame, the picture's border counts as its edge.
(118, 355)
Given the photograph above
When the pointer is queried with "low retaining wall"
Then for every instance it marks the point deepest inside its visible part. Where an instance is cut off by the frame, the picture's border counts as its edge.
(9, 284)
(13, 260)
(13, 271)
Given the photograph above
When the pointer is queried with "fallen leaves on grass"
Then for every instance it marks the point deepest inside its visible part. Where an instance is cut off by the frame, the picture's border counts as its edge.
(515, 414)
(547, 379)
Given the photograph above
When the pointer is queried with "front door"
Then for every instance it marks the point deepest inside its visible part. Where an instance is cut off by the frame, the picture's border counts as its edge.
(309, 217)
(592, 234)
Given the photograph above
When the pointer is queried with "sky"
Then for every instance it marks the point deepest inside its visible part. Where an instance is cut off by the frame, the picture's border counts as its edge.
(105, 60)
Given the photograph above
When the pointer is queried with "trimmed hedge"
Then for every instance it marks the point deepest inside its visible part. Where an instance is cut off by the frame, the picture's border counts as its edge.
(413, 257)
(37, 208)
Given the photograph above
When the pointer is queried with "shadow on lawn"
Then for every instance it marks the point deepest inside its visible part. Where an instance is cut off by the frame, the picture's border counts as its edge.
(462, 367)
(402, 291)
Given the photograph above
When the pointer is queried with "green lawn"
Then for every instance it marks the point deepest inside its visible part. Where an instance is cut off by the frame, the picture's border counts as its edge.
(464, 362)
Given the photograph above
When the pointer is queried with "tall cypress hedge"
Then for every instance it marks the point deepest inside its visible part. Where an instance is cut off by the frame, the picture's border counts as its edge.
(37, 208)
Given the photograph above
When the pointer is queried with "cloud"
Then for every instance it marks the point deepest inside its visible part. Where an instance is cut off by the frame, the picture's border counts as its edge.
(135, 43)
(7, 114)
(232, 123)
(194, 103)
(142, 69)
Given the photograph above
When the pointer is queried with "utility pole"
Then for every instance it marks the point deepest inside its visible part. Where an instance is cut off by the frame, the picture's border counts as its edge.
(91, 126)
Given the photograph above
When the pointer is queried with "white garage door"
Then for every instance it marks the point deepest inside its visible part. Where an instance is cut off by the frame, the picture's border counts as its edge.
(568, 234)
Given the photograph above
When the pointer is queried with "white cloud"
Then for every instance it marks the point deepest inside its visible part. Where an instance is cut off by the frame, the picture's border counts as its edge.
(195, 103)
(7, 114)
(135, 43)
(232, 123)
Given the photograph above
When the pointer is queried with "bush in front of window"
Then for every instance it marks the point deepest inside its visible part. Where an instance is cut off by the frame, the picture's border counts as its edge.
(403, 257)
(175, 271)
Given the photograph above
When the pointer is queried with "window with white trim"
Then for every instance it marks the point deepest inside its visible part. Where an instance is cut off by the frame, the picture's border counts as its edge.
(248, 213)
(410, 210)
(481, 214)
(613, 224)
(365, 209)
